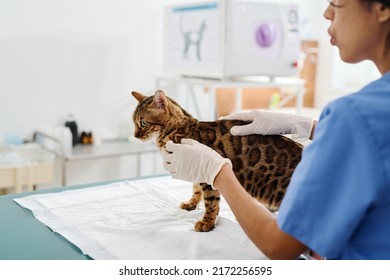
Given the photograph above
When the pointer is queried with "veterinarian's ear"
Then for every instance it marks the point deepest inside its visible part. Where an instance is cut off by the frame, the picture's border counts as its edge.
(382, 11)
(138, 96)
(160, 99)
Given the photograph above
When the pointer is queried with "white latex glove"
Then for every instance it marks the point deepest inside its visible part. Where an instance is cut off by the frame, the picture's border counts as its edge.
(193, 161)
(271, 123)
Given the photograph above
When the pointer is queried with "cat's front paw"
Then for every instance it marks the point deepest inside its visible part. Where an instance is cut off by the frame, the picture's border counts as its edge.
(203, 226)
(187, 206)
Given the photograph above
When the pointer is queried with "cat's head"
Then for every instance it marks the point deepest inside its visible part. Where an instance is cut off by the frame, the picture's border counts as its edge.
(156, 114)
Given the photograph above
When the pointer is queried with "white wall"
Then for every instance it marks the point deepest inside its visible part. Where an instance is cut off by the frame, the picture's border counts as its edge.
(85, 56)
(75, 56)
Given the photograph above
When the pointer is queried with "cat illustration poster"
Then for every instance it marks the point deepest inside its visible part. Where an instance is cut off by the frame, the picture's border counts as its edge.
(193, 37)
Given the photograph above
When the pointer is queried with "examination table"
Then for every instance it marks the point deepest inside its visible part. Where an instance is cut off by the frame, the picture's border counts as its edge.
(137, 218)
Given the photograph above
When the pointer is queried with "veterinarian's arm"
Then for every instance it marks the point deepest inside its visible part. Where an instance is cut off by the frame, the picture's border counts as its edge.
(258, 223)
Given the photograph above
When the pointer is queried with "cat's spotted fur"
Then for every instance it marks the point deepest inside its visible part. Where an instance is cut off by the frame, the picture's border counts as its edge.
(262, 163)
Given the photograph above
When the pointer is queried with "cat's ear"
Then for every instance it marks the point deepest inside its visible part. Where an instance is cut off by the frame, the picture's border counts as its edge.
(138, 96)
(160, 100)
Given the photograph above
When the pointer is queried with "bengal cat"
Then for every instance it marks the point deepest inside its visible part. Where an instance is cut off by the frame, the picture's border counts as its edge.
(262, 163)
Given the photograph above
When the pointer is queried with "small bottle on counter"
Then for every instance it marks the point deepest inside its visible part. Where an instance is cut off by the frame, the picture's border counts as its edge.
(86, 138)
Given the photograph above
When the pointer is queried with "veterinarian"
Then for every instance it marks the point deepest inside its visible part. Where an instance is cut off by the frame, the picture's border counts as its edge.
(338, 201)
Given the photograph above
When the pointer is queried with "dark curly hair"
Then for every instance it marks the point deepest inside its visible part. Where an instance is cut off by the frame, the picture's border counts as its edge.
(368, 2)
(384, 2)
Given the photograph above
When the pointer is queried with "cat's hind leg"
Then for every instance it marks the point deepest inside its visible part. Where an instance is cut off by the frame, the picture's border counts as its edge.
(211, 201)
(194, 200)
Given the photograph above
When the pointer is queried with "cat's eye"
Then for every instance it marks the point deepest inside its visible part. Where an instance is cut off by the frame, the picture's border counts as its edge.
(142, 123)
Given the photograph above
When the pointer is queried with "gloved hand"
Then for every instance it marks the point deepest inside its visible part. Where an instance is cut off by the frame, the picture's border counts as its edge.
(193, 161)
(267, 122)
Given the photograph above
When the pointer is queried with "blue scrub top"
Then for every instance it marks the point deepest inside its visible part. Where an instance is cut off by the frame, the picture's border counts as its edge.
(338, 200)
